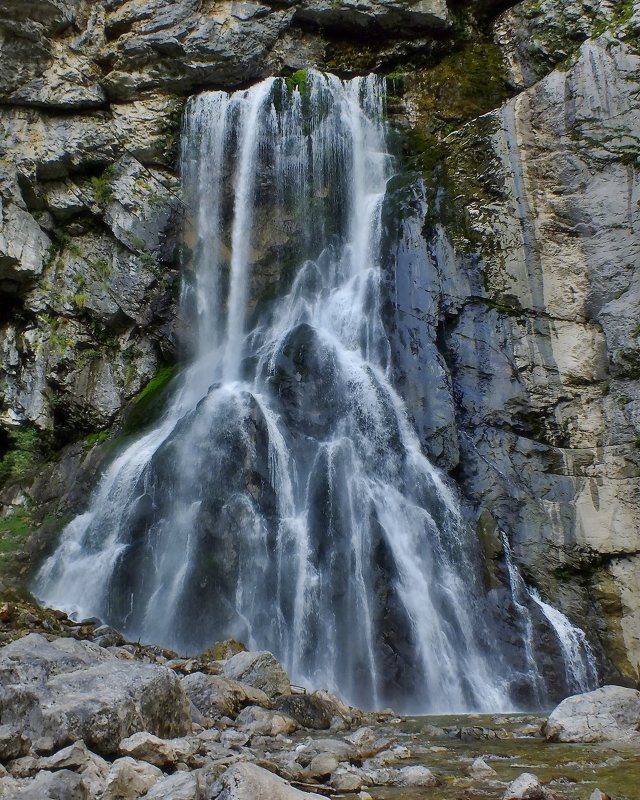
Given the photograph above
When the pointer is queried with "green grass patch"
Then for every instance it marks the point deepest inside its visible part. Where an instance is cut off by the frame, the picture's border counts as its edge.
(96, 438)
(101, 184)
(14, 530)
(80, 299)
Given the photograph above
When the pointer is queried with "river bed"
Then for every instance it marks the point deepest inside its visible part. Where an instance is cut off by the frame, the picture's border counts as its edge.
(511, 744)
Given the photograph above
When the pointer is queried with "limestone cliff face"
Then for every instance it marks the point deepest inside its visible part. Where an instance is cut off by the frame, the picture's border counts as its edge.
(516, 293)
(537, 257)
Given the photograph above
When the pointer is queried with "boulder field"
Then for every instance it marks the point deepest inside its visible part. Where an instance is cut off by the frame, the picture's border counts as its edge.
(124, 721)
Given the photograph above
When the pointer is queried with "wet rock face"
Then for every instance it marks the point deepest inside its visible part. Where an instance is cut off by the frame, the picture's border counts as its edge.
(87, 260)
(179, 46)
(533, 396)
(370, 16)
(309, 710)
(38, 67)
(90, 210)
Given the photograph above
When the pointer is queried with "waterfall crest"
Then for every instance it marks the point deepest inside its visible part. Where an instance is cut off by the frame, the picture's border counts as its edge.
(283, 499)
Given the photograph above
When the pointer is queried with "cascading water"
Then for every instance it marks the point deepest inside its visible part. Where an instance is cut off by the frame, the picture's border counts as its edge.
(284, 499)
(581, 672)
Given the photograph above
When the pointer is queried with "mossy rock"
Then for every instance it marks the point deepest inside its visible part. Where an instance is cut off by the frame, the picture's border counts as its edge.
(150, 402)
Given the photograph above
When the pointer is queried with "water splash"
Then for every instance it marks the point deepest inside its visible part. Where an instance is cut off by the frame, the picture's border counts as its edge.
(283, 499)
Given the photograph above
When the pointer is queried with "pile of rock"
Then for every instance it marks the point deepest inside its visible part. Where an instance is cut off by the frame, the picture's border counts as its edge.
(111, 720)
(117, 722)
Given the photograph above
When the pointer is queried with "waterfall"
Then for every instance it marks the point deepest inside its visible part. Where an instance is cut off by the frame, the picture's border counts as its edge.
(579, 661)
(283, 499)
(581, 672)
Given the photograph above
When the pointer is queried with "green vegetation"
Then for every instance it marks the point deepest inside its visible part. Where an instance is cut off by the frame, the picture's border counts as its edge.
(299, 80)
(14, 530)
(173, 125)
(56, 337)
(628, 365)
(149, 403)
(103, 267)
(96, 438)
(148, 260)
(81, 299)
(620, 17)
(175, 116)
(464, 85)
(455, 162)
(79, 279)
(52, 252)
(26, 451)
(87, 355)
(102, 186)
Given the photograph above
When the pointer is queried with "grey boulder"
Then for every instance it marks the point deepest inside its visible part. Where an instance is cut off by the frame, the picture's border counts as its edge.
(214, 696)
(179, 786)
(611, 713)
(264, 722)
(60, 785)
(62, 691)
(159, 752)
(259, 669)
(527, 787)
(129, 779)
(13, 743)
(250, 782)
(307, 709)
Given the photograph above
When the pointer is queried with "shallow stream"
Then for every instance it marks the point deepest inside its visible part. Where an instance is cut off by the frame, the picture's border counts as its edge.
(510, 744)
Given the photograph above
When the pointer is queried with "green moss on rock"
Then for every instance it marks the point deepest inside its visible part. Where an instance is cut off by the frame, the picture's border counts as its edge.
(464, 85)
(298, 81)
(454, 160)
(148, 404)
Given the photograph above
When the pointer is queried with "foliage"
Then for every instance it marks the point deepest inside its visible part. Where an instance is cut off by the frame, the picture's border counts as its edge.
(456, 167)
(25, 453)
(298, 81)
(462, 86)
(102, 186)
(102, 267)
(14, 529)
(96, 438)
(81, 299)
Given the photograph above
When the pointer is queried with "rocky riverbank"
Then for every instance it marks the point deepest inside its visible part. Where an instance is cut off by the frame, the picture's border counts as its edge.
(86, 714)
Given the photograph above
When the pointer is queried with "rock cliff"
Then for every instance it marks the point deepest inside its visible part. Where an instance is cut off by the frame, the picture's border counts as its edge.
(512, 301)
